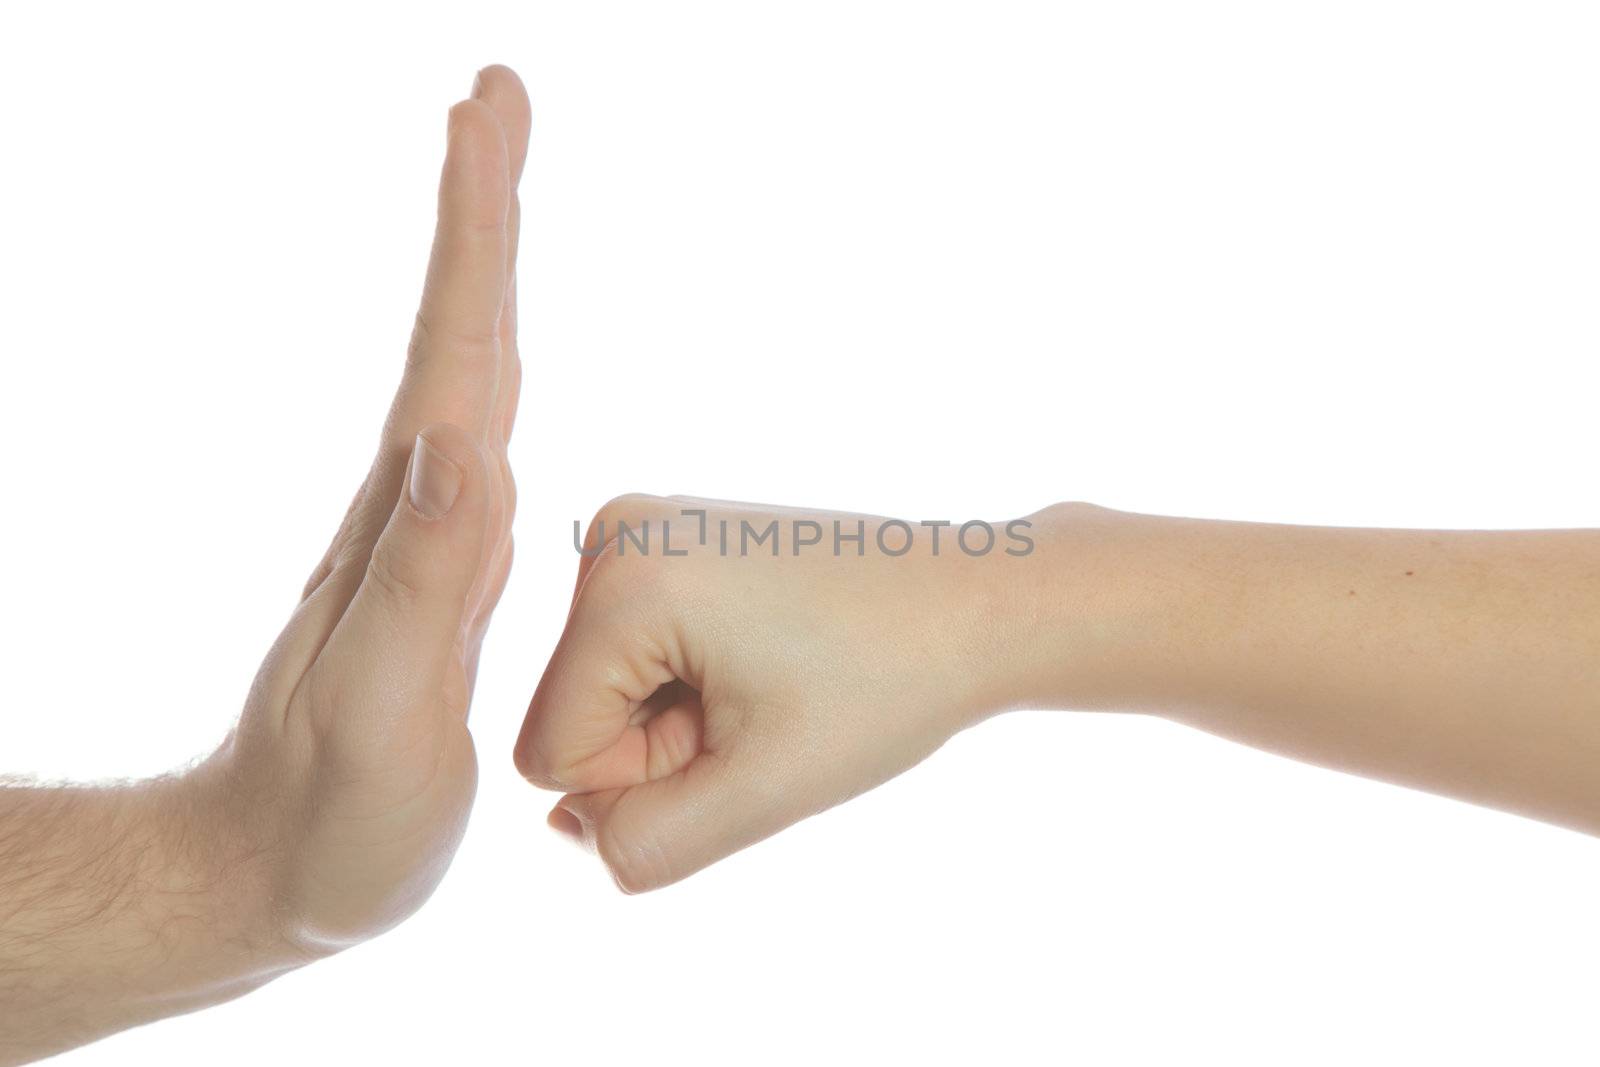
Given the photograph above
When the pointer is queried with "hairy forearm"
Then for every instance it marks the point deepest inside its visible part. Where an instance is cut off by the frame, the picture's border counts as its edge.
(120, 905)
(1462, 662)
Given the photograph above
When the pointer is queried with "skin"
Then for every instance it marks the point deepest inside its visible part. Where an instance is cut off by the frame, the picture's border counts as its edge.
(335, 806)
(698, 703)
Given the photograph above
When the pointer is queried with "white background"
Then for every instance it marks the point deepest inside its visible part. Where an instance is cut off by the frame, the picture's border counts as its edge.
(1330, 263)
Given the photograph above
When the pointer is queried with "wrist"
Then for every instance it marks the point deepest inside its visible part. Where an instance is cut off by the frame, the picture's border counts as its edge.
(1089, 609)
(238, 830)
(215, 886)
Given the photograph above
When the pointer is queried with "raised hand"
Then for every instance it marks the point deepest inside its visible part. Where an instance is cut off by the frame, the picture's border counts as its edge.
(352, 767)
(352, 771)
(336, 804)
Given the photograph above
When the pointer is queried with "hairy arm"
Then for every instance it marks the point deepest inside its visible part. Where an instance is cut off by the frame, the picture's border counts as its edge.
(120, 905)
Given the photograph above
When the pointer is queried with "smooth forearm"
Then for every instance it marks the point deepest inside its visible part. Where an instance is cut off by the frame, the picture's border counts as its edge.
(120, 905)
(1461, 662)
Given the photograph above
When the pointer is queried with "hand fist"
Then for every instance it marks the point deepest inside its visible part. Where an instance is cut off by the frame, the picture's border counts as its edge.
(729, 669)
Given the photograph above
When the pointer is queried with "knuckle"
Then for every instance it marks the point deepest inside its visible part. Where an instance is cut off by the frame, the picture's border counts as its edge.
(534, 756)
(636, 862)
(430, 335)
(502, 568)
(542, 779)
(619, 576)
(535, 768)
(348, 526)
(508, 483)
(633, 501)
(318, 577)
(341, 575)
(390, 576)
(631, 516)
(480, 228)
(512, 396)
(632, 508)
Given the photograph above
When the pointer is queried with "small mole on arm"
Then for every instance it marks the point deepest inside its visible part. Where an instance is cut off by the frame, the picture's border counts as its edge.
(1352, 592)
(1410, 573)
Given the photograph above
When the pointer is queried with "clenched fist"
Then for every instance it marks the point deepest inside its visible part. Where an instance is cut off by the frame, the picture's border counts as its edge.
(729, 669)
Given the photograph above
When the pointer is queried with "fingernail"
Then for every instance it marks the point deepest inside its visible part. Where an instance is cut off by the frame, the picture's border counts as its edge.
(435, 481)
(566, 824)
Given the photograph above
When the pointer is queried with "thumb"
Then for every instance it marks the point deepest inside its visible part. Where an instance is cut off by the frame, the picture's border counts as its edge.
(403, 625)
(659, 832)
